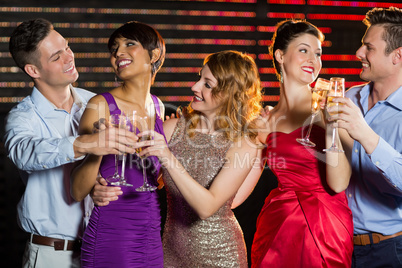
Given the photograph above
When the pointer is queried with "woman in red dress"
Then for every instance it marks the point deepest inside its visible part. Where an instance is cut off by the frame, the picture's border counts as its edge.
(306, 221)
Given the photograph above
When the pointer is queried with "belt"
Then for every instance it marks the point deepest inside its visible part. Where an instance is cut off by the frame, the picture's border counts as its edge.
(58, 244)
(372, 238)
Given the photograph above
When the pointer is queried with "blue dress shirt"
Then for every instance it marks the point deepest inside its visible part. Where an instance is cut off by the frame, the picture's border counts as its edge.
(375, 189)
(39, 140)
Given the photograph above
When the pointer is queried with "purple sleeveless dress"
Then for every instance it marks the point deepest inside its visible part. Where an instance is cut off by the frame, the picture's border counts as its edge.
(126, 233)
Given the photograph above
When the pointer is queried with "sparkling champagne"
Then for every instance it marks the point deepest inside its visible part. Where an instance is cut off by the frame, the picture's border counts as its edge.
(330, 103)
(318, 99)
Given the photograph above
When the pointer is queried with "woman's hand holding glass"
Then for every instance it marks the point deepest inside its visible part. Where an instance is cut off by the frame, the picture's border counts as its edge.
(143, 123)
(318, 95)
(119, 122)
(156, 147)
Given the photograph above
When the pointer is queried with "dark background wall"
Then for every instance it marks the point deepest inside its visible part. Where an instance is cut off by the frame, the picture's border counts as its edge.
(192, 30)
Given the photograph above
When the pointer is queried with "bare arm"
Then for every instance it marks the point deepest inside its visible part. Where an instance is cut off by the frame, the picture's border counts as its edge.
(251, 180)
(110, 140)
(206, 201)
(338, 169)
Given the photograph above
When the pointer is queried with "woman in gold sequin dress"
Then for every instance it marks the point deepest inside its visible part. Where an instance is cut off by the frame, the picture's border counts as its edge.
(208, 156)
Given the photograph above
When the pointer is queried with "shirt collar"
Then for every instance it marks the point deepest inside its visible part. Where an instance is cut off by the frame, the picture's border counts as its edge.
(45, 106)
(395, 99)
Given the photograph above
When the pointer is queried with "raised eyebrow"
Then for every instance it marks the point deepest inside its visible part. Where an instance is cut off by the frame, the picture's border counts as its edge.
(304, 44)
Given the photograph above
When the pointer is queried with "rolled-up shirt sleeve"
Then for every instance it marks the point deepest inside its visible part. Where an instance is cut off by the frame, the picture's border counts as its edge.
(389, 162)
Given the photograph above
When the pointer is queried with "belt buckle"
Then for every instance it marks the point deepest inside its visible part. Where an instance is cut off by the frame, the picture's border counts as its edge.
(60, 245)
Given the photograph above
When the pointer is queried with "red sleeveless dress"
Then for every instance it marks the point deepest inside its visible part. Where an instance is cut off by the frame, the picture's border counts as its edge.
(302, 223)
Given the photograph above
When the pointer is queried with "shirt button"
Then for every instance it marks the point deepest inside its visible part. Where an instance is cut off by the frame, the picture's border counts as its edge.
(44, 166)
(356, 151)
(377, 163)
(350, 195)
(68, 159)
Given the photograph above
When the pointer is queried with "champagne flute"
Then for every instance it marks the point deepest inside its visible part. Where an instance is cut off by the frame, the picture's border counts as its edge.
(118, 121)
(318, 95)
(143, 123)
(337, 89)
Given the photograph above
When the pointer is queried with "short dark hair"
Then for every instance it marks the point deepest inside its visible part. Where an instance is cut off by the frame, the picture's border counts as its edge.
(147, 36)
(391, 20)
(286, 32)
(24, 41)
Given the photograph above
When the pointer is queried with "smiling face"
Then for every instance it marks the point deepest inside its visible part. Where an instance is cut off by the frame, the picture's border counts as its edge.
(203, 100)
(129, 58)
(57, 66)
(376, 65)
(302, 60)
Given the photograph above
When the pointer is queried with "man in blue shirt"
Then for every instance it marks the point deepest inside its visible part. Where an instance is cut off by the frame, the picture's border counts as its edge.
(373, 118)
(41, 139)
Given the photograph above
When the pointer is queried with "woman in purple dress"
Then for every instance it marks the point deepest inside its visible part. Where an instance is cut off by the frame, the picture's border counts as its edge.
(126, 233)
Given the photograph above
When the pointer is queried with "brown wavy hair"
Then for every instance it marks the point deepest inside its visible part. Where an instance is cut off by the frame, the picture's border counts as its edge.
(239, 92)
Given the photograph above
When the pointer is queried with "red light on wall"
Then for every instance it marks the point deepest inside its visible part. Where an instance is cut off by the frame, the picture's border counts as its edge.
(352, 4)
(270, 98)
(275, 15)
(324, 57)
(273, 84)
(335, 17)
(266, 70)
(264, 57)
(267, 29)
(339, 57)
(287, 2)
(264, 43)
(339, 71)
(194, 41)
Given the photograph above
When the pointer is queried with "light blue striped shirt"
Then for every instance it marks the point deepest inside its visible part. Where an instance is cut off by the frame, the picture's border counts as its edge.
(375, 189)
(39, 140)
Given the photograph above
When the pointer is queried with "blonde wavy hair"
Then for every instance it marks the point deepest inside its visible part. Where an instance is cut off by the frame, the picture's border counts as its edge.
(239, 92)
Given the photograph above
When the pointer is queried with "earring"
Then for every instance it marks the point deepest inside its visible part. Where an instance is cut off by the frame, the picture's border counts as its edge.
(281, 74)
(115, 79)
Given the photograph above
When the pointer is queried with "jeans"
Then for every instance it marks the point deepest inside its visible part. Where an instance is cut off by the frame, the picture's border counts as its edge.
(387, 253)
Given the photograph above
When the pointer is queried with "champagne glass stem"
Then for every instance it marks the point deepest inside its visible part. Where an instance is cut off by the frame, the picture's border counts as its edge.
(333, 136)
(116, 165)
(144, 172)
(123, 167)
(310, 126)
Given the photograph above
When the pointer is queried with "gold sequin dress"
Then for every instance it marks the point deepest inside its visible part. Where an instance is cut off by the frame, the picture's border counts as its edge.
(187, 240)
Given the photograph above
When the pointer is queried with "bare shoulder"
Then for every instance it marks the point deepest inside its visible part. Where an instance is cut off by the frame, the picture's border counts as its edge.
(96, 109)
(168, 127)
(95, 101)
